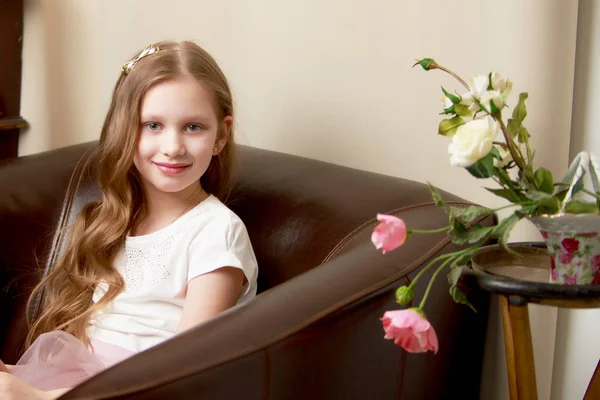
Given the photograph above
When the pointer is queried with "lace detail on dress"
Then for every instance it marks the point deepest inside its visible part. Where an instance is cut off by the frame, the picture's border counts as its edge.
(144, 270)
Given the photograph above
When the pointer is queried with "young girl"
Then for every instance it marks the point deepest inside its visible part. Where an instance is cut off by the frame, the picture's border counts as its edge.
(159, 253)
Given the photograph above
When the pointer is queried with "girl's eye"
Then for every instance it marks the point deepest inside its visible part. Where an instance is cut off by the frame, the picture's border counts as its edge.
(194, 128)
(153, 126)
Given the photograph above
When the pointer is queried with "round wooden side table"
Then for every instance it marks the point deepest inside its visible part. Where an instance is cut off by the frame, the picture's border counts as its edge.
(520, 281)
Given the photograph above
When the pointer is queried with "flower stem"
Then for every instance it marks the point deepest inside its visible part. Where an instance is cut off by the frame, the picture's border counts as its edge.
(513, 205)
(430, 285)
(419, 231)
(449, 257)
(438, 258)
(434, 65)
(514, 152)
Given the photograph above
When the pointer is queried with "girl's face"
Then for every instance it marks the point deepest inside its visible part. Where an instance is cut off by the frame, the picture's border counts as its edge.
(178, 136)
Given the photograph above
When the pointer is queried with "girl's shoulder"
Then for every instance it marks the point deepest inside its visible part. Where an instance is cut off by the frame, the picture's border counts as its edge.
(209, 210)
(213, 214)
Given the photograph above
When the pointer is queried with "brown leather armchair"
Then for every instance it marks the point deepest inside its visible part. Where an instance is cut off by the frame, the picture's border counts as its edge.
(313, 332)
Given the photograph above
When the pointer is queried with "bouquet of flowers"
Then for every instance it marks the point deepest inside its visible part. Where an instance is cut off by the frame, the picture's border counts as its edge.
(489, 148)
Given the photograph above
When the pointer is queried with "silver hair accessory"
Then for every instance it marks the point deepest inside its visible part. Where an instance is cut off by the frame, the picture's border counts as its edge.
(150, 49)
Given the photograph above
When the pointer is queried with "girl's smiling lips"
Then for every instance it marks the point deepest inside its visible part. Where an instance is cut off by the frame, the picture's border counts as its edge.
(171, 168)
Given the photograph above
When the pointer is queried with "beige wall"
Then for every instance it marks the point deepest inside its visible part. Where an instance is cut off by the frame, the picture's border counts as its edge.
(325, 79)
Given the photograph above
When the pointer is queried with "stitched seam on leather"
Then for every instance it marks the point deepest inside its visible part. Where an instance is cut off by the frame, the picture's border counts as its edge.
(59, 234)
(357, 231)
(167, 379)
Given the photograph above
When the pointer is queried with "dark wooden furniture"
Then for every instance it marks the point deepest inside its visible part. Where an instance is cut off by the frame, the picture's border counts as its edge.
(11, 46)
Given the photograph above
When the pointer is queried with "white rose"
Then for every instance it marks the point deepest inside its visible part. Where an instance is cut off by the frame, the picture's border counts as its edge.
(472, 141)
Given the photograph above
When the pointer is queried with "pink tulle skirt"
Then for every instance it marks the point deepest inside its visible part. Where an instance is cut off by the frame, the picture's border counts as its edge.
(59, 360)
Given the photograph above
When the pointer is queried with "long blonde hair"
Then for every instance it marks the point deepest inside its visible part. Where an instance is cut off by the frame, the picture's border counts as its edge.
(100, 229)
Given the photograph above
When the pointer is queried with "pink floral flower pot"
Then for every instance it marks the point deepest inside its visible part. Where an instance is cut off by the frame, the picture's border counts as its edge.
(573, 242)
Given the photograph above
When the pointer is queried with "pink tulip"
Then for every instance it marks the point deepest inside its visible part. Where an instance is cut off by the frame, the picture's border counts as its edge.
(410, 330)
(389, 234)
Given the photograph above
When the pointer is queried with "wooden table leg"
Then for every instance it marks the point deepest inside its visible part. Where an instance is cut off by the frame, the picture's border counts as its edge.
(593, 389)
(519, 350)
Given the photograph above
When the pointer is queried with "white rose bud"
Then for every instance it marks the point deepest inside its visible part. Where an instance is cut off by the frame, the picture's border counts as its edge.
(472, 141)
(491, 96)
(501, 85)
(467, 100)
(506, 157)
(446, 102)
(498, 83)
(507, 90)
(478, 85)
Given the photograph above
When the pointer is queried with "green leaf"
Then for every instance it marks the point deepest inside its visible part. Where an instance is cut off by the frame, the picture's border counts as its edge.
(495, 153)
(525, 211)
(506, 194)
(469, 213)
(470, 236)
(483, 168)
(523, 135)
(543, 180)
(503, 229)
(505, 178)
(580, 207)
(494, 109)
(550, 205)
(437, 198)
(536, 195)
(462, 110)
(513, 128)
(460, 297)
(426, 63)
(455, 99)
(453, 275)
(520, 111)
(448, 127)
(449, 110)
(457, 228)
(561, 195)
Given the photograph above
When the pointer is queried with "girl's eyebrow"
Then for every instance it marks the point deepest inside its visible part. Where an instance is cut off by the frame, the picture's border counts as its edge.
(189, 118)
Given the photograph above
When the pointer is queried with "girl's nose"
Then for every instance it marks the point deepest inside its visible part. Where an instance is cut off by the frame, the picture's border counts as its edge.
(171, 144)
